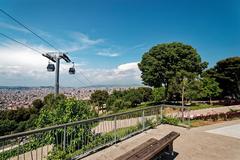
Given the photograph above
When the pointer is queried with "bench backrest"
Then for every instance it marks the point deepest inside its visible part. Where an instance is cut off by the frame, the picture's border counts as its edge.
(150, 148)
(137, 149)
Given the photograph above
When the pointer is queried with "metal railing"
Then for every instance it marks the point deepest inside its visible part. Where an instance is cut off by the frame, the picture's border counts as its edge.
(81, 138)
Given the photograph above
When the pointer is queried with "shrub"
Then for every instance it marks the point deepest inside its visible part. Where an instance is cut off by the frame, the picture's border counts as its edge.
(170, 120)
(216, 116)
(7, 126)
(38, 104)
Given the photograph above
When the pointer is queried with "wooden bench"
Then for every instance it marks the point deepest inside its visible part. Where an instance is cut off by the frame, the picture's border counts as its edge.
(151, 149)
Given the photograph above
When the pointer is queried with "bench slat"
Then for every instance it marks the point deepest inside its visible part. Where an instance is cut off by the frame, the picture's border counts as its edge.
(157, 147)
(137, 149)
(147, 152)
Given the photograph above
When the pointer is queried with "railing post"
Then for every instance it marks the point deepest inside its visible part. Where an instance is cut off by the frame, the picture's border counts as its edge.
(115, 129)
(143, 120)
(161, 110)
(64, 137)
(189, 116)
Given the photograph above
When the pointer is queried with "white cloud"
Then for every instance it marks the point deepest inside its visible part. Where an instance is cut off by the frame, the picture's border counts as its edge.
(79, 41)
(107, 54)
(86, 40)
(18, 60)
(128, 66)
(22, 66)
(124, 74)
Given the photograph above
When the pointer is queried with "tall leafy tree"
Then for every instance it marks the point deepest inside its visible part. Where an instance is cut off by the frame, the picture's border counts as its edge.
(185, 85)
(146, 93)
(128, 98)
(99, 97)
(158, 94)
(6, 126)
(227, 74)
(162, 63)
(210, 88)
(133, 96)
(64, 111)
(194, 89)
(38, 104)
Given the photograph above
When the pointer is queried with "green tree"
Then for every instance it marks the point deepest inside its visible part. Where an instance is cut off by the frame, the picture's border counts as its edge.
(133, 96)
(162, 63)
(38, 104)
(64, 111)
(227, 74)
(99, 97)
(110, 102)
(158, 94)
(22, 115)
(50, 100)
(194, 90)
(146, 93)
(210, 88)
(119, 104)
(7, 126)
(128, 98)
(185, 85)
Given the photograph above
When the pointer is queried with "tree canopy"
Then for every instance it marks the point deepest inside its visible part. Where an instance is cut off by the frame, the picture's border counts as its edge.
(163, 62)
(210, 88)
(38, 104)
(158, 94)
(227, 74)
(128, 98)
(63, 111)
(99, 97)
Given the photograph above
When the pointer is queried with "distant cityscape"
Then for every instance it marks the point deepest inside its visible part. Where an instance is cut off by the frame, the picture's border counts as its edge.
(17, 97)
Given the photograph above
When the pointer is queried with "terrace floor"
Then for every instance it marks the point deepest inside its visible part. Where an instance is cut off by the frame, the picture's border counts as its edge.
(202, 143)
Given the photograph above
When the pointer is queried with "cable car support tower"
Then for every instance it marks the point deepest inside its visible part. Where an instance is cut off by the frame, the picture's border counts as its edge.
(56, 57)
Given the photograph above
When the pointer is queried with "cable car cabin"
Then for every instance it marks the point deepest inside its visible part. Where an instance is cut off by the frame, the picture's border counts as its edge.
(50, 67)
(72, 70)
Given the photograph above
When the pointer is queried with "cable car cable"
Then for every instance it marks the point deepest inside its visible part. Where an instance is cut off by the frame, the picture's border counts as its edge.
(21, 24)
(12, 39)
(85, 77)
(24, 26)
(80, 81)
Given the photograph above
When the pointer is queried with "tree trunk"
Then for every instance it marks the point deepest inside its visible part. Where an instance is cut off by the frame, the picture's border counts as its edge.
(210, 101)
(183, 88)
(98, 107)
(166, 91)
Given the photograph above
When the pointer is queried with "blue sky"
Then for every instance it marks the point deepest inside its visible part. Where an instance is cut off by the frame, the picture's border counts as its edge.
(107, 38)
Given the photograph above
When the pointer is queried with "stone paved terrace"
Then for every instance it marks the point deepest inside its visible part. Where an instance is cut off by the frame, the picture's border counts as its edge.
(202, 143)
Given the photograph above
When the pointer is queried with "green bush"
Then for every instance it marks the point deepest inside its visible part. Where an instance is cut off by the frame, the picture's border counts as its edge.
(7, 126)
(64, 110)
(17, 120)
(130, 98)
(170, 120)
